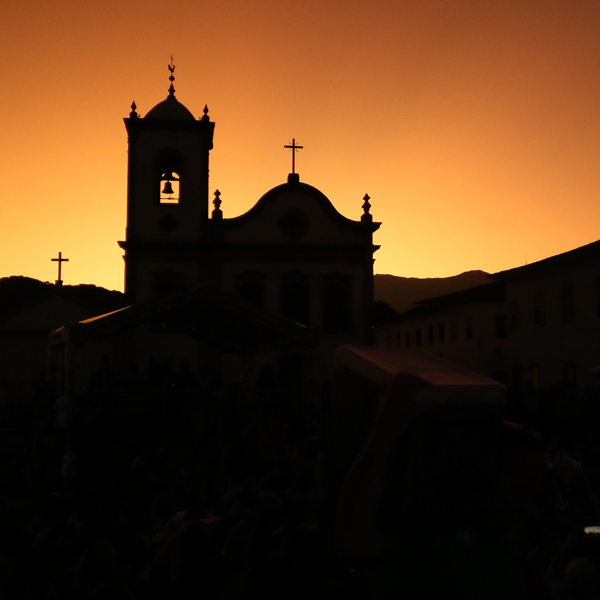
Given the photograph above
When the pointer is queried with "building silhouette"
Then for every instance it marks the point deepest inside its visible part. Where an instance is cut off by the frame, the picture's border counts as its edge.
(533, 327)
(292, 254)
(291, 259)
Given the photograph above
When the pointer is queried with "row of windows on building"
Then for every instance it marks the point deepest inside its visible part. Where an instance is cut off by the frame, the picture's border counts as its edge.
(546, 309)
(521, 378)
(439, 333)
(528, 378)
(431, 334)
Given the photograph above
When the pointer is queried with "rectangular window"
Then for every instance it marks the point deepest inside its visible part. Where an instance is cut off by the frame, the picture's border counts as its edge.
(418, 336)
(398, 339)
(430, 334)
(539, 309)
(469, 327)
(442, 333)
(567, 302)
(407, 338)
(501, 328)
(453, 331)
(515, 318)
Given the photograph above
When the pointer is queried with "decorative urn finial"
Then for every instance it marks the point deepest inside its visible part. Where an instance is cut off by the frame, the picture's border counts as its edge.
(367, 217)
(217, 213)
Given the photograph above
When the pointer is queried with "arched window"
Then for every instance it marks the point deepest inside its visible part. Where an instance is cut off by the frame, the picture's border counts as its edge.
(166, 281)
(294, 298)
(250, 286)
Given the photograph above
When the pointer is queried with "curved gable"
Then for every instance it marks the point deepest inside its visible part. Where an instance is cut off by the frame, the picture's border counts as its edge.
(295, 213)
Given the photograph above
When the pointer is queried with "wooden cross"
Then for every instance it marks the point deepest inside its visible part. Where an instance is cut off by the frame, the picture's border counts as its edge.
(294, 148)
(59, 260)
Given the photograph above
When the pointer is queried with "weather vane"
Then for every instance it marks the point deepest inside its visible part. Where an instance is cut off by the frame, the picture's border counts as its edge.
(294, 148)
(171, 76)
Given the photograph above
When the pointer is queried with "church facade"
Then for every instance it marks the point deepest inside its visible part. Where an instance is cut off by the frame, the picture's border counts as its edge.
(292, 253)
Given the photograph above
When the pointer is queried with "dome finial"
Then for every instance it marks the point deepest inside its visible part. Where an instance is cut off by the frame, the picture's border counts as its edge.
(171, 77)
(367, 217)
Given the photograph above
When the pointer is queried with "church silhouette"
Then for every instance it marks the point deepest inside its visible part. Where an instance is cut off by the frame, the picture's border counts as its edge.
(291, 268)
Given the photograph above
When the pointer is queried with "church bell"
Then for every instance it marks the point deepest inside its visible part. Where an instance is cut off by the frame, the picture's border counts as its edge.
(168, 188)
(167, 177)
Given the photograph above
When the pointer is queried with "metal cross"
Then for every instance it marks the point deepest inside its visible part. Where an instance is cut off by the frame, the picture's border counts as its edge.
(59, 260)
(294, 148)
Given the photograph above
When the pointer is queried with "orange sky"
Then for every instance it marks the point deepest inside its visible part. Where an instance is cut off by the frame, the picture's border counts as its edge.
(474, 125)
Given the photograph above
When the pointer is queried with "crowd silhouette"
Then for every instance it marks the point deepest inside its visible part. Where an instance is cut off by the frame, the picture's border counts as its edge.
(155, 485)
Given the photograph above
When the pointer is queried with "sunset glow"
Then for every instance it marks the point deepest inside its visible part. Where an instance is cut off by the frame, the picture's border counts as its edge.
(473, 125)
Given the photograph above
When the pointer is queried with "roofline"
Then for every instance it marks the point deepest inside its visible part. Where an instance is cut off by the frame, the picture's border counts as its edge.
(307, 189)
(487, 292)
(590, 251)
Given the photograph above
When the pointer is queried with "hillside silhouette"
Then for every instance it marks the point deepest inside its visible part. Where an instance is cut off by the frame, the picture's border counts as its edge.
(17, 292)
(401, 292)
(398, 292)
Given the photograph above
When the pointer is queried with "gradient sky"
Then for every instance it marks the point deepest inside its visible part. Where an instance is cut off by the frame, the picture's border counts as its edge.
(473, 125)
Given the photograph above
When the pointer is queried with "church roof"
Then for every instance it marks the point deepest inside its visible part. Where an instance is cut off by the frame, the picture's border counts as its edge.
(170, 108)
(294, 186)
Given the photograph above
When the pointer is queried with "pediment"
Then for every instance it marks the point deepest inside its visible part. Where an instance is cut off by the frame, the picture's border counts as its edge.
(294, 213)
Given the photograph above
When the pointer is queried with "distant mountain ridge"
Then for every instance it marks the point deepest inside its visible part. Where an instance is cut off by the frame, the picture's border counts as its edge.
(402, 292)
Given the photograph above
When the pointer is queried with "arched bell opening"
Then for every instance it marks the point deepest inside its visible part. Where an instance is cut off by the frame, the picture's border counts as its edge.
(168, 167)
(169, 188)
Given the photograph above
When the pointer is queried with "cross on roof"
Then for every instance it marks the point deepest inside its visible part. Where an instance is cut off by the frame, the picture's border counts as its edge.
(59, 260)
(294, 148)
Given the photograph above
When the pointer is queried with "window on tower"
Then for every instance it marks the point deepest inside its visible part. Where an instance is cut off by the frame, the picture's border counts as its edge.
(169, 188)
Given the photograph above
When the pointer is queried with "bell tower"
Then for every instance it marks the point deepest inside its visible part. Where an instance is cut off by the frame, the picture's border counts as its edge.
(167, 197)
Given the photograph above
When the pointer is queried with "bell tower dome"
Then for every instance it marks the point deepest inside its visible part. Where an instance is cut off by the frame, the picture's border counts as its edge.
(167, 196)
